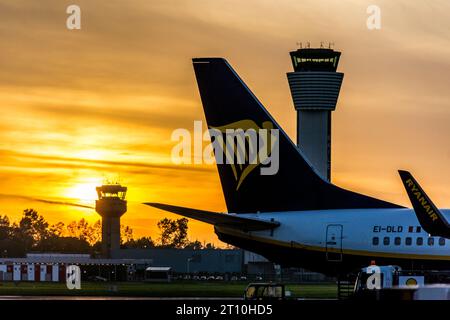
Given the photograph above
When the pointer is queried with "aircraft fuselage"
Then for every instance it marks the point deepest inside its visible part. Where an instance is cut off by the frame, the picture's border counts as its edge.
(335, 241)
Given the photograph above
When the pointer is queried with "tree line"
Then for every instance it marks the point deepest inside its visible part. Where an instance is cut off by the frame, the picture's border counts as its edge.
(34, 234)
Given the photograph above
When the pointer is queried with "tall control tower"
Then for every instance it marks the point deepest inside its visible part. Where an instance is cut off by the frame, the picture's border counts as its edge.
(111, 205)
(315, 87)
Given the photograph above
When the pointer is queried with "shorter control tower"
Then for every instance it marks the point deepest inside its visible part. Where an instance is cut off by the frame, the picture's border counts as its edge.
(111, 205)
(315, 87)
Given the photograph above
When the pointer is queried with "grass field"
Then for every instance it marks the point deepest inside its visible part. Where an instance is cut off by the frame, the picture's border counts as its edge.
(174, 289)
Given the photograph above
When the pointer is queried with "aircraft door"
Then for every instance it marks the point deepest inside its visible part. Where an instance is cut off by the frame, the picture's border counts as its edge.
(334, 243)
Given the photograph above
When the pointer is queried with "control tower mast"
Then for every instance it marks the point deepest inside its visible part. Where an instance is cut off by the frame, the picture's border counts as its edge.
(315, 87)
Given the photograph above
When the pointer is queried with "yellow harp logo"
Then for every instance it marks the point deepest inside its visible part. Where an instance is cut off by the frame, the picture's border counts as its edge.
(247, 146)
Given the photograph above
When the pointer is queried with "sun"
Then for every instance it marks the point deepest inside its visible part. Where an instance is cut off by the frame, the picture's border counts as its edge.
(84, 190)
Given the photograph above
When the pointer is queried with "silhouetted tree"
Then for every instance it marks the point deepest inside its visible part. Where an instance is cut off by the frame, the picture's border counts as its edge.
(126, 234)
(5, 229)
(209, 246)
(141, 243)
(33, 225)
(196, 245)
(173, 232)
(57, 229)
(84, 231)
(65, 245)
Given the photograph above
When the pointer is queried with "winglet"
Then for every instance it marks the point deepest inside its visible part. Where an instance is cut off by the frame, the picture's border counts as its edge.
(429, 216)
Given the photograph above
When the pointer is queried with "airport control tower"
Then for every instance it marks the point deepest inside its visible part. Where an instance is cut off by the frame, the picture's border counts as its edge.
(111, 205)
(315, 87)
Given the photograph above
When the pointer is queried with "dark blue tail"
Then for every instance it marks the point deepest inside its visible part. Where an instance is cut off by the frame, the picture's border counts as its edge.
(228, 103)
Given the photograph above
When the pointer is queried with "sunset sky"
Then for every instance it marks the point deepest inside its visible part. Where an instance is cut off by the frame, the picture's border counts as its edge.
(82, 106)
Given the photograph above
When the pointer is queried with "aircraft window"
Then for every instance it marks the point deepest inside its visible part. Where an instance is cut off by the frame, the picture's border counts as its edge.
(386, 241)
(431, 241)
(410, 229)
(418, 229)
(408, 241)
(419, 241)
(441, 241)
(398, 241)
(375, 241)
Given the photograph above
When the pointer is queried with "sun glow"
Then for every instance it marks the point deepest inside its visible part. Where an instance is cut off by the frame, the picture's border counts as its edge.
(84, 190)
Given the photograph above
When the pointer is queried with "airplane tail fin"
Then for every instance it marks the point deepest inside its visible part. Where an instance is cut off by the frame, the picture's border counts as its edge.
(279, 180)
(429, 216)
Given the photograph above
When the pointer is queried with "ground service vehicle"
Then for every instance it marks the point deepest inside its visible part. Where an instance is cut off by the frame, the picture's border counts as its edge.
(391, 282)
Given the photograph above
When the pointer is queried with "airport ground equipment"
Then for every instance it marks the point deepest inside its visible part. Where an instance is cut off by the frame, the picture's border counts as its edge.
(266, 291)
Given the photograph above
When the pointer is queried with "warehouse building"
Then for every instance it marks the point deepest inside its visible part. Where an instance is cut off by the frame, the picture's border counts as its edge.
(188, 260)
